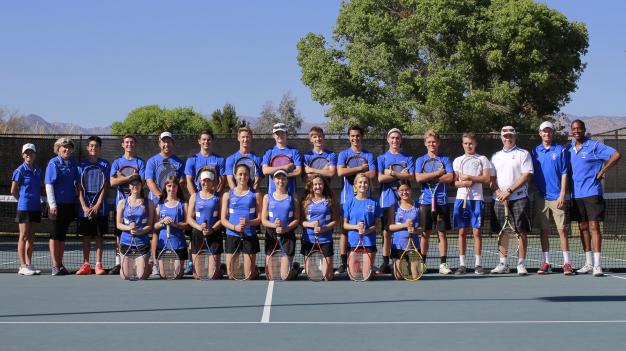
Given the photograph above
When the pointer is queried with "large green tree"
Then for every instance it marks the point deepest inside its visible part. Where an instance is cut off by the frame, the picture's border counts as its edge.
(447, 64)
(226, 121)
(154, 119)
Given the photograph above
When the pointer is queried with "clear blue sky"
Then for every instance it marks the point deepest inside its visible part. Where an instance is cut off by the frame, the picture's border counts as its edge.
(91, 62)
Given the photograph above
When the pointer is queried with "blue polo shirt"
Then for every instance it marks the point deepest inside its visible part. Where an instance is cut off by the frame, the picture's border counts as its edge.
(347, 192)
(29, 181)
(440, 195)
(197, 161)
(585, 165)
(294, 154)
(550, 165)
(388, 190)
(63, 175)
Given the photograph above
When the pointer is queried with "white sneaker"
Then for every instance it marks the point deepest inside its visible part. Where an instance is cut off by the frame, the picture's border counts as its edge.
(444, 269)
(32, 268)
(501, 268)
(521, 270)
(597, 271)
(585, 269)
(155, 269)
(25, 271)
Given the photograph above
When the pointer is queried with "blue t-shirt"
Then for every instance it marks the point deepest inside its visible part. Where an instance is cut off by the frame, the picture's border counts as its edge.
(549, 166)
(63, 176)
(207, 210)
(153, 164)
(388, 190)
(440, 196)
(401, 237)
(177, 235)
(232, 159)
(121, 162)
(241, 206)
(347, 192)
(329, 155)
(29, 181)
(197, 161)
(138, 215)
(366, 210)
(318, 211)
(106, 169)
(585, 165)
(295, 157)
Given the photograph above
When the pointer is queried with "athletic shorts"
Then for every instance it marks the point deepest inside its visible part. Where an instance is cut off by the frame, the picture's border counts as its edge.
(443, 217)
(519, 212)
(97, 226)
(370, 249)
(249, 244)
(66, 213)
(214, 240)
(469, 217)
(397, 253)
(306, 247)
(288, 240)
(587, 209)
(384, 220)
(543, 209)
(28, 217)
(143, 249)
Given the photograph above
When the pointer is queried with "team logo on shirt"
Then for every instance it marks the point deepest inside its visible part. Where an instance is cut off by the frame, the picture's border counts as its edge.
(369, 209)
(554, 155)
(583, 154)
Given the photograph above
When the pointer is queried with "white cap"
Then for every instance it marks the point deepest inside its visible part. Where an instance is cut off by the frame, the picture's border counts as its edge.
(29, 146)
(166, 135)
(546, 124)
(207, 175)
(280, 172)
(394, 130)
(279, 127)
(508, 130)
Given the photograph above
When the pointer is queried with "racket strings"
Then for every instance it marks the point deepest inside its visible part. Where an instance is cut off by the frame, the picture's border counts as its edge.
(170, 263)
(319, 163)
(411, 265)
(237, 270)
(357, 265)
(274, 263)
(315, 266)
(204, 265)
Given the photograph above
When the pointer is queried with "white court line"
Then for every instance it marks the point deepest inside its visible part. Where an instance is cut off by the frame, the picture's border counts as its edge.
(616, 276)
(617, 321)
(268, 303)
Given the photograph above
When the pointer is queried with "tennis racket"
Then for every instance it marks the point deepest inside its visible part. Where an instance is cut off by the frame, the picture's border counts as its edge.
(281, 160)
(315, 263)
(359, 261)
(397, 167)
(126, 171)
(432, 165)
(275, 262)
(236, 264)
(319, 162)
(411, 264)
(470, 166)
(507, 233)
(132, 264)
(248, 162)
(353, 161)
(205, 262)
(92, 181)
(168, 258)
(164, 171)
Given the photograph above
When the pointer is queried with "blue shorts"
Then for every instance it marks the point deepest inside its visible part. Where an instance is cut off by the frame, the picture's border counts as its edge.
(469, 217)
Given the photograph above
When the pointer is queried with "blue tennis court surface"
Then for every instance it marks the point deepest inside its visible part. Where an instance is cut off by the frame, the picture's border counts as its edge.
(446, 313)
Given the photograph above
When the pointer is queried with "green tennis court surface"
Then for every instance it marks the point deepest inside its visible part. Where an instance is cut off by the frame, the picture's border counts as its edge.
(469, 312)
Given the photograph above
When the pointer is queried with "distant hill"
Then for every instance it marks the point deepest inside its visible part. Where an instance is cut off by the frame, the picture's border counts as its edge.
(599, 124)
(37, 124)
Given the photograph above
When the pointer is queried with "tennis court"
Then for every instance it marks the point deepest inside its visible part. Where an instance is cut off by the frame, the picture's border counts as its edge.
(469, 312)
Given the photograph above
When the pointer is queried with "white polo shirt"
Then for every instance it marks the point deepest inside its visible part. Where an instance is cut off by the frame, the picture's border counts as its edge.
(476, 190)
(509, 165)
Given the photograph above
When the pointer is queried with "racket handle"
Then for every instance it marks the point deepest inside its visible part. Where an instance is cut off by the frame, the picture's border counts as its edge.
(465, 201)
(432, 203)
(167, 230)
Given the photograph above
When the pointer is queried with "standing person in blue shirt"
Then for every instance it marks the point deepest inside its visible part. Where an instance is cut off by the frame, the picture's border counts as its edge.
(204, 158)
(316, 137)
(93, 221)
(294, 169)
(244, 136)
(404, 221)
(117, 179)
(389, 183)
(550, 178)
(445, 175)
(362, 215)
(61, 187)
(587, 161)
(355, 136)
(26, 189)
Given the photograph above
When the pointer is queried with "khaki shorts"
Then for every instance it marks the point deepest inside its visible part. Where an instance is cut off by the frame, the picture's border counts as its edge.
(544, 207)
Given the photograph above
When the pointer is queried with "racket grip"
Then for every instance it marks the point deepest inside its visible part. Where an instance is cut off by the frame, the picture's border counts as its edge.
(167, 230)
(465, 203)
(432, 203)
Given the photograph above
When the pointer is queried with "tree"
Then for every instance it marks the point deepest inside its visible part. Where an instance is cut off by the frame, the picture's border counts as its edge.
(446, 64)
(225, 121)
(12, 121)
(286, 113)
(154, 119)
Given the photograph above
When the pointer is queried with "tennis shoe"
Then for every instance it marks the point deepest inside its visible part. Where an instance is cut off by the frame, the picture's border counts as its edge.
(461, 270)
(341, 269)
(585, 269)
(85, 269)
(521, 270)
(115, 270)
(155, 269)
(444, 269)
(55, 270)
(100, 269)
(25, 271)
(501, 268)
(544, 268)
(567, 269)
(384, 269)
(37, 271)
(597, 271)
(479, 270)
(189, 267)
(63, 271)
